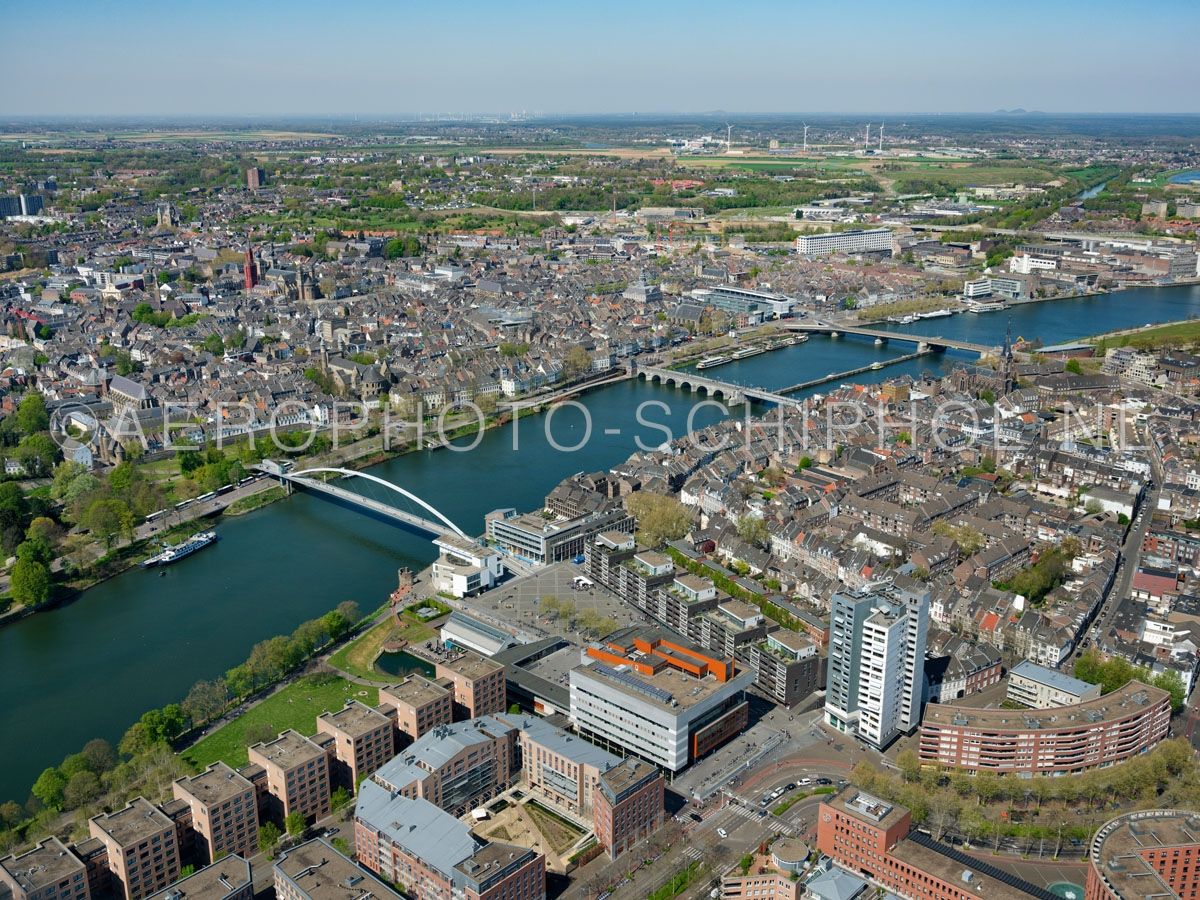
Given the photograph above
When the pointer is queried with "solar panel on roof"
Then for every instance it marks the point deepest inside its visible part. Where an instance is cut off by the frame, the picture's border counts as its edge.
(636, 683)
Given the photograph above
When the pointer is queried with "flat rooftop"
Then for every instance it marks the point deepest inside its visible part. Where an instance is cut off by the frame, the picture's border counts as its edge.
(135, 823)
(415, 690)
(321, 873)
(630, 773)
(982, 884)
(215, 785)
(1117, 849)
(471, 665)
(46, 864)
(1121, 702)
(1053, 678)
(224, 877)
(288, 750)
(867, 807)
(355, 719)
(661, 689)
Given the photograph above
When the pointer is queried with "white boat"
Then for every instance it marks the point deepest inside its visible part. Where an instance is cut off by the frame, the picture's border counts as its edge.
(709, 361)
(982, 306)
(935, 314)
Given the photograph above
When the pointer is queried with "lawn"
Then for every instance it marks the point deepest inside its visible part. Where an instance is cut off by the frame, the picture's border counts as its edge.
(358, 656)
(296, 706)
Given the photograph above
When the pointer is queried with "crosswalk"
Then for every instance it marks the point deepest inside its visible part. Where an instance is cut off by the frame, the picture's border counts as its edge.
(692, 854)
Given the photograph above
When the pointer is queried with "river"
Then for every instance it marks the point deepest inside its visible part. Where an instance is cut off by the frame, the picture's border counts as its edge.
(139, 641)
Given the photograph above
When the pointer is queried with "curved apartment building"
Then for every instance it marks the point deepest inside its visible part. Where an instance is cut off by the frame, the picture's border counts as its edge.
(1058, 741)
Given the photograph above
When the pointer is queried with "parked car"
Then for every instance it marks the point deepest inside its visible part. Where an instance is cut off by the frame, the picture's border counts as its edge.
(721, 832)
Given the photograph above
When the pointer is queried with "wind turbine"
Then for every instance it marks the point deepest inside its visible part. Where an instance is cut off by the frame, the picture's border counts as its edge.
(880, 137)
(867, 139)
(806, 137)
(728, 136)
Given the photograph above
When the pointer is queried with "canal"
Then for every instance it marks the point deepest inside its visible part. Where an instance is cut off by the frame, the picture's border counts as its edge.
(139, 641)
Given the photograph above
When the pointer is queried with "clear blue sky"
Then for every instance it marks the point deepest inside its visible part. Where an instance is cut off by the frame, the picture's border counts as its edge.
(272, 57)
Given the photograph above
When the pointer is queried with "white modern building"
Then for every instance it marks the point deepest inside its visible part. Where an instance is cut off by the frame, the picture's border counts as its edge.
(858, 241)
(1040, 688)
(875, 680)
(464, 567)
(656, 711)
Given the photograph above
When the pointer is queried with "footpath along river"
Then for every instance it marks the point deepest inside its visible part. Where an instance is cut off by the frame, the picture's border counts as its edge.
(138, 641)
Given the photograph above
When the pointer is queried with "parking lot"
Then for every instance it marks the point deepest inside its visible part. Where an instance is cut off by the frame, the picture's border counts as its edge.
(520, 604)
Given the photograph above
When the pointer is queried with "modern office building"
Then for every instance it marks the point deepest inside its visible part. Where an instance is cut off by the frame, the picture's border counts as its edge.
(297, 775)
(646, 693)
(477, 684)
(1040, 688)
(864, 241)
(363, 740)
(229, 878)
(468, 633)
(875, 678)
(542, 541)
(456, 767)
(1152, 853)
(463, 566)
(141, 845)
(873, 838)
(627, 805)
(1055, 741)
(435, 856)
(50, 871)
(224, 812)
(316, 871)
(417, 705)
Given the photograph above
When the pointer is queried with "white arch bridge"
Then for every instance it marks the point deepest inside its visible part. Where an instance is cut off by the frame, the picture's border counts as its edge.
(437, 525)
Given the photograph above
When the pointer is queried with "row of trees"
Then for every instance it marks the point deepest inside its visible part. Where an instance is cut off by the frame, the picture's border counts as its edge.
(994, 806)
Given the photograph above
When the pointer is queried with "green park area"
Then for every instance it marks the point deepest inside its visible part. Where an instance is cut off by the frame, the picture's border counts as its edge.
(1173, 334)
(295, 706)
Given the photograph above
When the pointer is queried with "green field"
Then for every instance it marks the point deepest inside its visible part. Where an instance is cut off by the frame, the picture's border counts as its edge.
(296, 706)
(1176, 334)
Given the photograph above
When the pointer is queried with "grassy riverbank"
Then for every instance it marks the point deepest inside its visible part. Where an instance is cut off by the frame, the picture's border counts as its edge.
(295, 706)
(1183, 333)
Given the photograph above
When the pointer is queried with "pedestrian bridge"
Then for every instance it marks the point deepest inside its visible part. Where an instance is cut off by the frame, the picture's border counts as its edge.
(437, 525)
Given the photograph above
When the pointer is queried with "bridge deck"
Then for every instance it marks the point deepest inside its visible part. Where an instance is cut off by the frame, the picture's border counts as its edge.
(375, 506)
(890, 335)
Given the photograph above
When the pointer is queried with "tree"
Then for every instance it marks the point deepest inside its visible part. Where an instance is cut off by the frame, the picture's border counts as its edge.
(295, 823)
(206, 700)
(106, 519)
(1093, 507)
(659, 518)
(339, 798)
(753, 530)
(81, 789)
(30, 582)
(268, 837)
(32, 415)
(576, 362)
(100, 755)
(49, 788)
(37, 453)
(1073, 366)
(909, 764)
